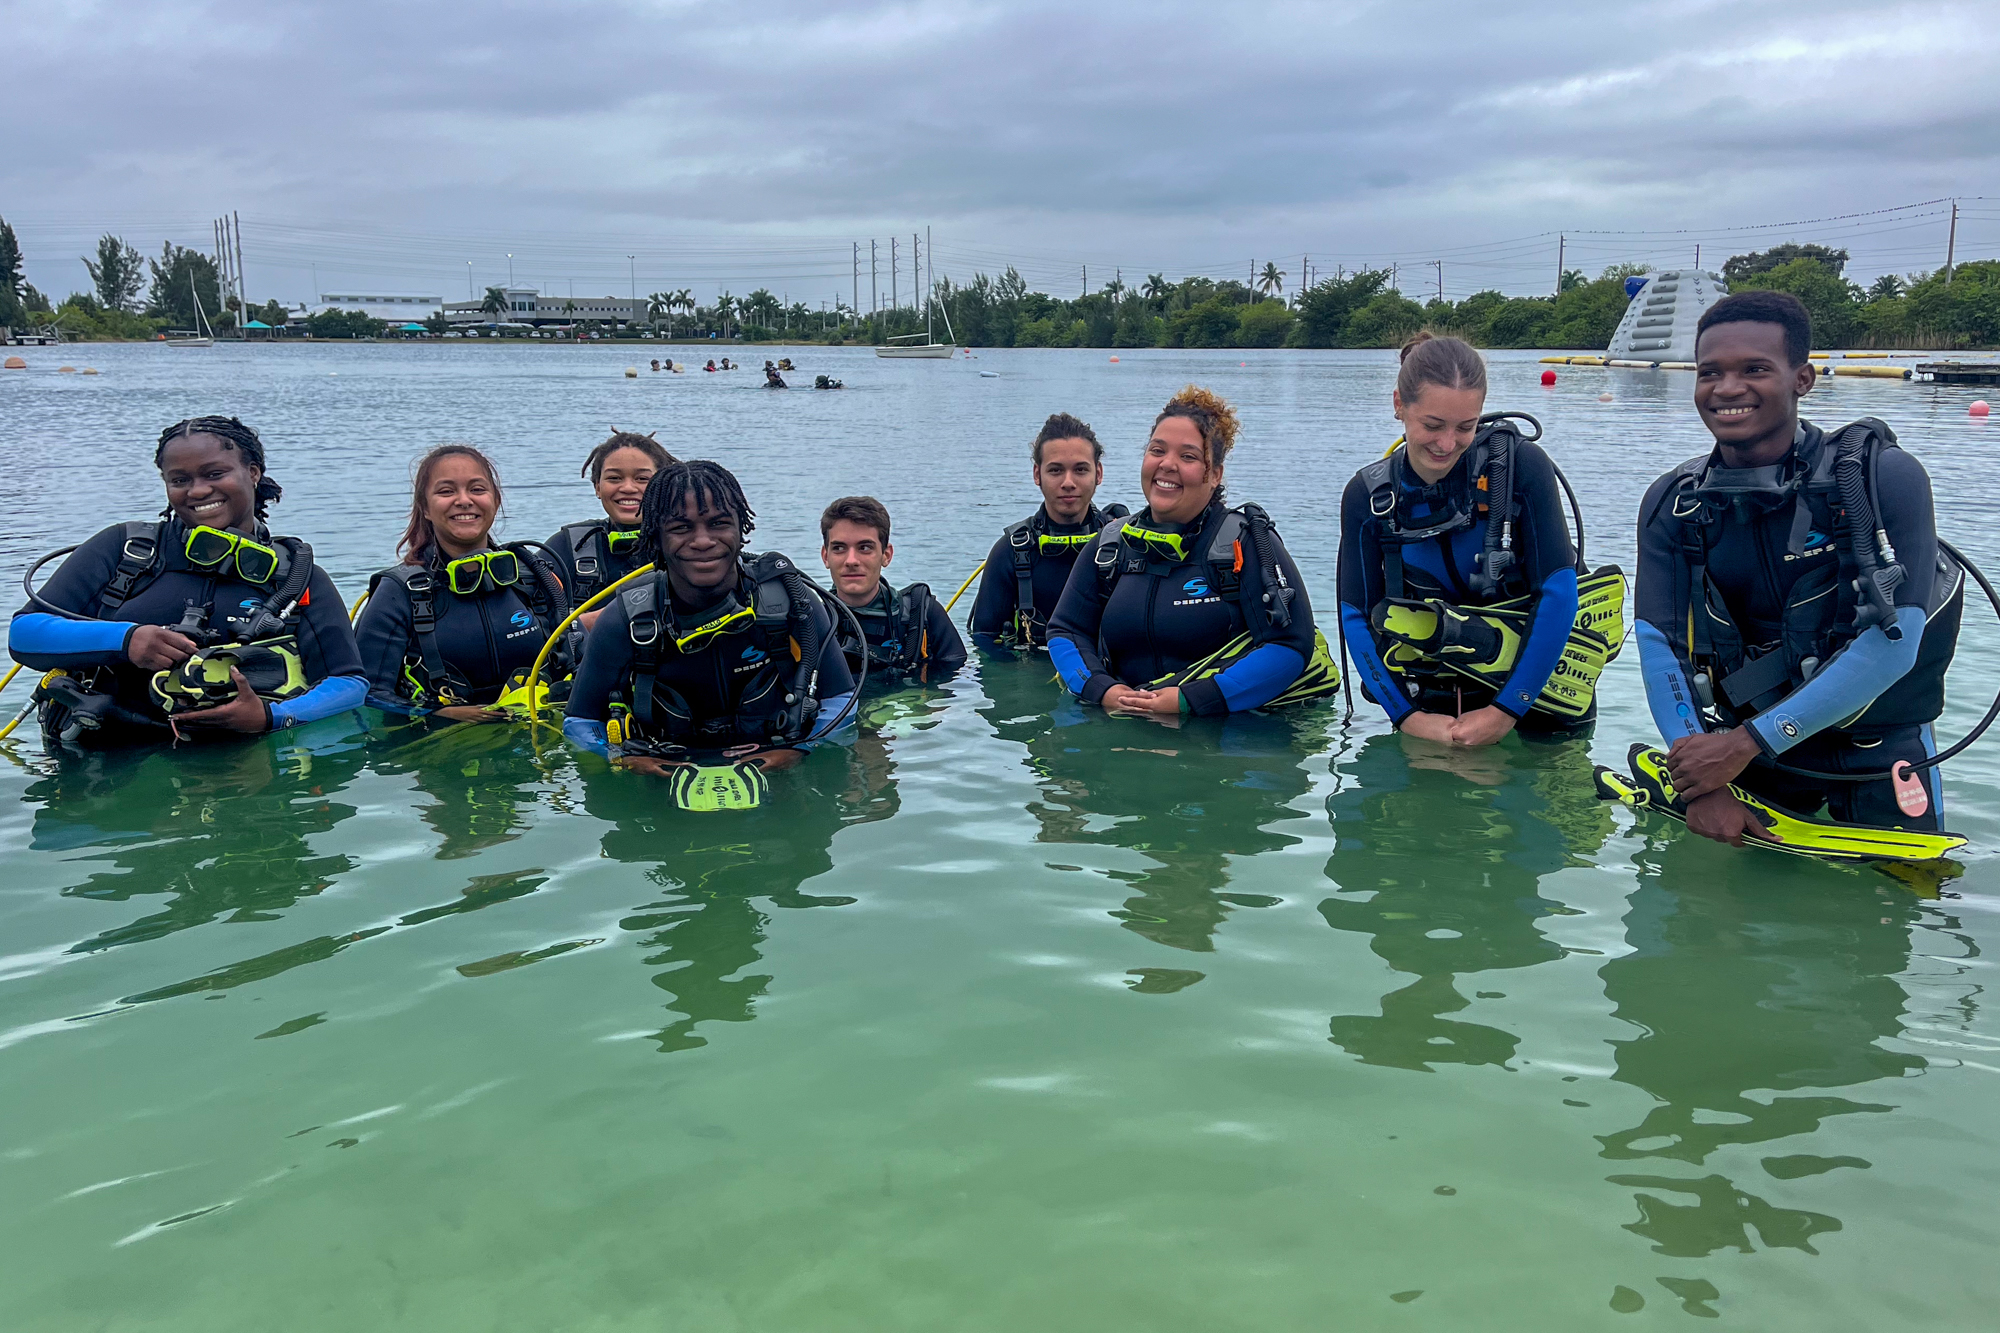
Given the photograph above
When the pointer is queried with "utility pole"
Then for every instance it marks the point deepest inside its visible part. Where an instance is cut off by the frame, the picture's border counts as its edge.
(510, 268)
(632, 267)
(857, 280)
(895, 270)
(1305, 272)
(1440, 264)
(1697, 254)
(1086, 279)
(1951, 243)
(242, 297)
(1560, 239)
(468, 281)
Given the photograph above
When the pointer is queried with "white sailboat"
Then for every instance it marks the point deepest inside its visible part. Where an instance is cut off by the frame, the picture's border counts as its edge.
(906, 348)
(204, 334)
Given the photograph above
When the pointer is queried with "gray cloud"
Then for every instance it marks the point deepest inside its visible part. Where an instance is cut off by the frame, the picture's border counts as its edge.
(730, 144)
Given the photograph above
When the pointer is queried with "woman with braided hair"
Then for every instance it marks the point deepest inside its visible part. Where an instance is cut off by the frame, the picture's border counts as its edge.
(1190, 606)
(597, 552)
(716, 652)
(199, 621)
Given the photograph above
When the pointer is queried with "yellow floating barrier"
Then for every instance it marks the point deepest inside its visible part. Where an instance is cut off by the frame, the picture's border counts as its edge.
(1864, 356)
(1874, 372)
(1819, 356)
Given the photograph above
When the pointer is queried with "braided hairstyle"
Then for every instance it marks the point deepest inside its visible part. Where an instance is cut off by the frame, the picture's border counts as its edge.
(234, 435)
(593, 466)
(714, 489)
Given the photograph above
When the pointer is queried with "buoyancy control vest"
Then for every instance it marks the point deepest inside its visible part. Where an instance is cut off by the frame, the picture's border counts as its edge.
(1024, 550)
(590, 557)
(264, 647)
(429, 677)
(907, 646)
(1432, 637)
(776, 706)
(1831, 481)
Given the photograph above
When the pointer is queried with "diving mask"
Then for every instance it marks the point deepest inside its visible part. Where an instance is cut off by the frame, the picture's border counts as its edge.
(488, 569)
(731, 617)
(1749, 491)
(1170, 546)
(1054, 543)
(208, 547)
(272, 667)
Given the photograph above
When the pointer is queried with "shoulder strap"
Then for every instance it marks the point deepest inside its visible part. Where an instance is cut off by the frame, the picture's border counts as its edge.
(420, 583)
(587, 556)
(1110, 560)
(641, 600)
(138, 565)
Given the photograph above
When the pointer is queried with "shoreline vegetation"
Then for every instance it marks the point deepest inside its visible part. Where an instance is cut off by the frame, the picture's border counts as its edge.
(138, 299)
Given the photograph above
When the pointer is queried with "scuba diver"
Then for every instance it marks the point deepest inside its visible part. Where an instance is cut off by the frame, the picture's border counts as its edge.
(827, 382)
(1796, 614)
(718, 651)
(785, 363)
(598, 552)
(1191, 606)
(458, 623)
(200, 621)
(1461, 616)
(772, 379)
(710, 365)
(907, 634)
(1028, 566)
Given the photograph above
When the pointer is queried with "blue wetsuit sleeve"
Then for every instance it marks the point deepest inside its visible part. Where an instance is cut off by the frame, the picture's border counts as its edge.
(1261, 676)
(335, 694)
(994, 606)
(1360, 584)
(586, 734)
(1555, 616)
(830, 725)
(1668, 692)
(1073, 630)
(1852, 679)
(43, 642)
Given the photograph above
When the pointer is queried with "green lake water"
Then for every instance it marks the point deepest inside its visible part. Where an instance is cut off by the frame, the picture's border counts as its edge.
(1011, 1015)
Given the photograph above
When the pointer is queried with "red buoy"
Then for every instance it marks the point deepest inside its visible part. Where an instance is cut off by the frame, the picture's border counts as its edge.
(1978, 408)
(1548, 378)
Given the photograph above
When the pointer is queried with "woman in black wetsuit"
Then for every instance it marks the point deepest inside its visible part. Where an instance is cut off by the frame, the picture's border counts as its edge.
(446, 628)
(597, 552)
(1166, 611)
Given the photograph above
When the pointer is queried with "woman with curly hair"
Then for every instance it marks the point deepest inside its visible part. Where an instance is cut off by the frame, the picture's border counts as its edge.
(1190, 605)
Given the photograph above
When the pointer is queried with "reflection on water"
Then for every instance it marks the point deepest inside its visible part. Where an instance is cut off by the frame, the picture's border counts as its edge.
(1752, 985)
(707, 929)
(1439, 860)
(1192, 797)
(219, 830)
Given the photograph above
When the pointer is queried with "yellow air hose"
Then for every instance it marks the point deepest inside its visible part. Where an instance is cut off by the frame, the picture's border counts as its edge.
(963, 586)
(541, 658)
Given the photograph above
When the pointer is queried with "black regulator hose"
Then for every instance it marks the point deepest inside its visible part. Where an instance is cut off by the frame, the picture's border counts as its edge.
(264, 621)
(1992, 711)
(28, 586)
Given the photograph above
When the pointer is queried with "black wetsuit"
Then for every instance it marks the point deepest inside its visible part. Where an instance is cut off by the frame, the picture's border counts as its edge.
(1754, 563)
(994, 623)
(1170, 615)
(482, 639)
(906, 642)
(725, 685)
(588, 541)
(43, 641)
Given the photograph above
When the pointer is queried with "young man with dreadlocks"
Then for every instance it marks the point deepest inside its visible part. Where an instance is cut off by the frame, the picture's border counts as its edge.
(717, 651)
(199, 621)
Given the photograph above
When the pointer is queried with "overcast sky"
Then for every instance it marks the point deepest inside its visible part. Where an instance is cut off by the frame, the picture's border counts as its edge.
(382, 146)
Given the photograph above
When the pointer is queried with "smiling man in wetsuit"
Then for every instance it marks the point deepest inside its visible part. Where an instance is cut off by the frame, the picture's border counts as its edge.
(909, 635)
(1774, 627)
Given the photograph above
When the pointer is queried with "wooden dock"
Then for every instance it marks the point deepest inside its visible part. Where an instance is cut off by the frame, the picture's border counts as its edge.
(1960, 372)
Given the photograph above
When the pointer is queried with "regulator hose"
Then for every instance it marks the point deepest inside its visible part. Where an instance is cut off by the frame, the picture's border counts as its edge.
(28, 586)
(1992, 711)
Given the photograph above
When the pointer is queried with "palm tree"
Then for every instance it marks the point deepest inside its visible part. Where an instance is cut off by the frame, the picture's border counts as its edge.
(1271, 280)
(725, 309)
(1115, 289)
(495, 303)
(684, 300)
(1156, 287)
(661, 305)
(1885, 288)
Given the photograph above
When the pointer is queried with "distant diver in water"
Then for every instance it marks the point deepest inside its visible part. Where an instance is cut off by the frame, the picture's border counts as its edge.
(827, 382)
(772, 379)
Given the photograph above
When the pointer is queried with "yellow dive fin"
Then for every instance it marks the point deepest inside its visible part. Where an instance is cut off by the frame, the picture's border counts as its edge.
(719, 787)
(1319, 680)
(1650, 788)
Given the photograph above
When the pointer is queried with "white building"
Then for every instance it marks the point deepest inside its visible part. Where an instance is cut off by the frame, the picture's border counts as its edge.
(394, 308)
(525, 305)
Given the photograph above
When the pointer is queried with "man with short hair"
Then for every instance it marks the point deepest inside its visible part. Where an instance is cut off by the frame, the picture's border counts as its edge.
(1028, 566)
(1794, 611)
(908, 634)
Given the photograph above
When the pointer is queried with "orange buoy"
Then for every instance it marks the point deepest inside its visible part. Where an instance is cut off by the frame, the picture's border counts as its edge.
(65, 370)
(14, 363)
(1604, 398)
(1548, 378)
(90, 370)
(1114, 360)
(1978, 408)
